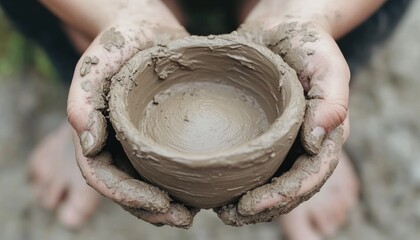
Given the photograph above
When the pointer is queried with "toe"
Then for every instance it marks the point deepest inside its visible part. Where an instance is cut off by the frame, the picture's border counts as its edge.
(40, 188)
(297, 226)
(78, 207)
(51, 197)
(341, 215)
(324, 222)
(319, 212)
(70, 218)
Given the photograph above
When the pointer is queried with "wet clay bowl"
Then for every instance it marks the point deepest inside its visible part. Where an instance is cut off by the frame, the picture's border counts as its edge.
(206, 118)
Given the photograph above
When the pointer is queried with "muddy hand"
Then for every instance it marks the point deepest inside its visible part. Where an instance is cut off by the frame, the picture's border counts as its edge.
(119, 31)
(325, 76)
(90, 85)
(143, 200)
(86, 105)
(284, 193)
(321, 69)
(130, 29)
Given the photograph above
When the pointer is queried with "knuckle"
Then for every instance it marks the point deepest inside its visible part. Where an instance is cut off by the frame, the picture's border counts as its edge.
(339, 113)
(72, 113)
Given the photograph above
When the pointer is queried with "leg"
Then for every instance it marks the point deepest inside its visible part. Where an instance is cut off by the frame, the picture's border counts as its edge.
(57, 182)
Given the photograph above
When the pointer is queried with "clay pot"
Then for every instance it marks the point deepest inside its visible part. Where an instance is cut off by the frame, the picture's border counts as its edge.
(206, 118)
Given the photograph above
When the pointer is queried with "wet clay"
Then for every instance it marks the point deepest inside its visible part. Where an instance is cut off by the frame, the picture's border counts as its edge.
(206, 119)
(86, 64)
(203, 117)
(112, 38)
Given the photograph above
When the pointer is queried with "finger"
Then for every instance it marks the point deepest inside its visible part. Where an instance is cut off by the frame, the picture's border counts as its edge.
(305, 178)
(230, 216)
(77, 207)
(90, 84)
(346, 127)
(177, 216)
(111, 182)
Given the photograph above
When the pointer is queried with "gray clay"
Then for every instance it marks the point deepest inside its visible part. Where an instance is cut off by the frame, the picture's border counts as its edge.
(206, 119)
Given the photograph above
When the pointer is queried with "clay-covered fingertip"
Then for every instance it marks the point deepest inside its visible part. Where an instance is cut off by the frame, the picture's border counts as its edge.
(94, 138)
(159, 207)
(147, 197)
(180, 216)
(337, 135)
(246, 210)
(312, 139)
(229, 215)
(185, 224)
(247, 205)
(87, 141)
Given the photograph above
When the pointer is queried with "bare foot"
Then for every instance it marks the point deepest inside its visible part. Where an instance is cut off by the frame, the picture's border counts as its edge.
(57, 182)
(326, 212)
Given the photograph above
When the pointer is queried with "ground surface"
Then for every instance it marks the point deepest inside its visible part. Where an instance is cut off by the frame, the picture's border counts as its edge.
(385, 144)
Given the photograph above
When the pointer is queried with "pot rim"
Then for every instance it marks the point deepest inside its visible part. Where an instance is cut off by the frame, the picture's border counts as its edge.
(241, 155)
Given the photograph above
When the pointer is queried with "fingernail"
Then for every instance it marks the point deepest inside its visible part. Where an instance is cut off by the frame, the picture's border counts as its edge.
(316, 137)
(87, 140)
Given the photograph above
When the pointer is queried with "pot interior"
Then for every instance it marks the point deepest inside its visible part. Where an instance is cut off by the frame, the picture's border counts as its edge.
(205, 99)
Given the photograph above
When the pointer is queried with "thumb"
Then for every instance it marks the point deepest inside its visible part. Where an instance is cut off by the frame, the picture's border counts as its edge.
(87, 101)
(327, 97)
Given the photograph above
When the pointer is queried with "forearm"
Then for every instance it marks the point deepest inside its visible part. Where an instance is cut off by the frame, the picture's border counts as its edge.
(337, 17)
(87, 16)
(91, 16)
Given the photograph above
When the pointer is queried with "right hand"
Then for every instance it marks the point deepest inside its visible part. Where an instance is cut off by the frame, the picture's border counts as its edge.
(122, 28)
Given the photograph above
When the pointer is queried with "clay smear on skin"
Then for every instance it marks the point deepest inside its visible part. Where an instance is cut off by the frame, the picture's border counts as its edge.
(112, 38)
(86, 65)
(94, 136)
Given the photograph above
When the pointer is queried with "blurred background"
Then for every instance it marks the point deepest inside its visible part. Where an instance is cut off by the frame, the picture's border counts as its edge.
(384, 144)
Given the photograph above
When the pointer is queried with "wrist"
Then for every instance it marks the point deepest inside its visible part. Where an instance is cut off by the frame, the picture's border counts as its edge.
(334, 17)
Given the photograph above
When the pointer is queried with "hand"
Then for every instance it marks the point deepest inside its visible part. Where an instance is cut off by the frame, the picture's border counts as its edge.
(111, 174)
(309, 49)
(122, 29)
